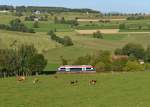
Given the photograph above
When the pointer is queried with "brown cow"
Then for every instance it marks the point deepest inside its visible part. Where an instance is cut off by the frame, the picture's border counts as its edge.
(93, 82)
(21, 78)
(74, 82)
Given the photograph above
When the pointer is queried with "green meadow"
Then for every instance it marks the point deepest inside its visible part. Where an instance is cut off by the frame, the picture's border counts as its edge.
(111, 90)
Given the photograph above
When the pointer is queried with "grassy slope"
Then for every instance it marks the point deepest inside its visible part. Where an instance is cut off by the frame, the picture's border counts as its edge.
(40, 40)
(111, 90)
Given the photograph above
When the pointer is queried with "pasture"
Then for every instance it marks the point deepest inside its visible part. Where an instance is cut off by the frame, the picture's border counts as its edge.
(82, 37)
(111, 90)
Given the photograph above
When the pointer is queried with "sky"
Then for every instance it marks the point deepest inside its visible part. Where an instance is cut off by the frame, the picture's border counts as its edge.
(125, 6)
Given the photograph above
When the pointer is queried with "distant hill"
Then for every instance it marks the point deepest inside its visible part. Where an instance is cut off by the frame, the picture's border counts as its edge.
(45, 9)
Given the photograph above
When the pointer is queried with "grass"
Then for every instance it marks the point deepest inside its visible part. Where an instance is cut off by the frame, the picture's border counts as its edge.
(46, 26)
(115, 37)
(40, 40)
(111, 90)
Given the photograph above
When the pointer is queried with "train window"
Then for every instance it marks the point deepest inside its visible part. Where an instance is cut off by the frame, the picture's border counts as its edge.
(62, 69)
(75, 69)
(89, 69)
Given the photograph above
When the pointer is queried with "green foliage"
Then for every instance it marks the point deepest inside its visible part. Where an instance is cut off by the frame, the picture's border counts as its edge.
(134, 66)
(63, 21)
(135, 18)
(98, 34)
(122, 26)
(24, 60)
(36, 18)
(84, 60)
(118, 51)
(66, 41)
(100, 67)
(36, 24)
(136, 50)
(147, 54)
(16, 25)
(118, 65)
(37, 63)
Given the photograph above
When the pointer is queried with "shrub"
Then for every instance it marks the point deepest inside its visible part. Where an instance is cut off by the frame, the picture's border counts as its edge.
(100, 67)
(118, 51)
(134, 66)
(16, 25)
(119, 64)
(66, 41)
(98, 35)
(136, 50)
(83, 60)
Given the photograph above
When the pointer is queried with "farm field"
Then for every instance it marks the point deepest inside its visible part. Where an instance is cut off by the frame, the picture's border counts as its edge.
(83, 44)
(82, 37)
(111, 90)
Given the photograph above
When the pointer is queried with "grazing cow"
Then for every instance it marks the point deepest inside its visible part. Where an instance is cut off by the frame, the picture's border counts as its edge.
(93, 82)
(35, 80)
(74, 82)
(21, 78)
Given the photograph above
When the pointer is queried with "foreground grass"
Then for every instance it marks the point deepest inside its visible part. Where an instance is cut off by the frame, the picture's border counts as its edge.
(112, 90)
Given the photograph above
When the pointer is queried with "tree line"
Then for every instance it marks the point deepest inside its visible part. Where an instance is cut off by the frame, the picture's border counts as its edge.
(66, 41)
(63, 21)
(131, 57)
(44, 9)
(25, 60)
(39, 18)
(16, 25)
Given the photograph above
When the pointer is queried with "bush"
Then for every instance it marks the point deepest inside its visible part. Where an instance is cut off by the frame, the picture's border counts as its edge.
(118, 51)
(100, 67)
(16, 25)
(136, 50)
(66, 41)
(98, 35)
(119, 64)
(83, 60)
(134, 66)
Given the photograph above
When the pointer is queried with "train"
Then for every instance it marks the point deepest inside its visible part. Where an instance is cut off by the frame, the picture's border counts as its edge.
(76, 69)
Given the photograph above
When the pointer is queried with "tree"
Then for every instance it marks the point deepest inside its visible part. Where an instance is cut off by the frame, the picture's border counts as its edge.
(25, 53)
(134, 66)
(62, 20)
(118, 51)
(56, 20)
(136, 50)
(37, 63)
(118, 65)
(83, 60)
(98, 35)
(100, 67)
(67, 41)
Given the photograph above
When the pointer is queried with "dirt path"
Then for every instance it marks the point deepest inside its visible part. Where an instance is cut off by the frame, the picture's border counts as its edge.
(107, 31)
